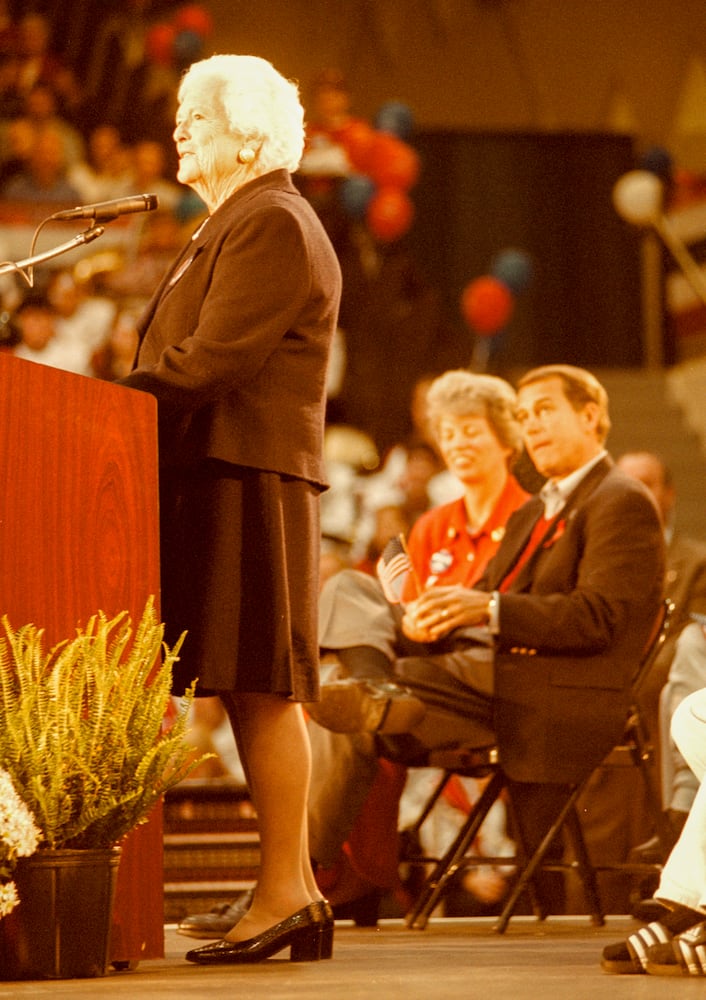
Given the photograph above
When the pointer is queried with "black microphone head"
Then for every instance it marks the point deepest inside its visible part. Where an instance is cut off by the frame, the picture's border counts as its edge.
(106, 211)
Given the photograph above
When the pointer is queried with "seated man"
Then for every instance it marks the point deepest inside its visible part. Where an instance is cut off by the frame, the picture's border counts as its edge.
(561, 617)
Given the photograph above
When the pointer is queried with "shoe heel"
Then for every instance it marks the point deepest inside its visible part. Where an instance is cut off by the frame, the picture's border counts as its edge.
(305, 945)
(326, 942)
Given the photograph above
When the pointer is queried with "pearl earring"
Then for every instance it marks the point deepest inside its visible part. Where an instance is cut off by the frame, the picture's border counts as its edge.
(246, 155)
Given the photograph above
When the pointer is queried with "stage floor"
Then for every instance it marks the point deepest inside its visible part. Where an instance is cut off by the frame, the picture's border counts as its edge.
(452, 958)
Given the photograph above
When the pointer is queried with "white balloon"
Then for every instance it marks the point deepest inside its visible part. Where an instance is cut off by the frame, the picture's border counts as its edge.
(638, 196)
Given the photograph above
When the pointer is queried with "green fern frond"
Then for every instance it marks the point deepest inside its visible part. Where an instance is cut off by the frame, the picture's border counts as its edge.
(83, 734)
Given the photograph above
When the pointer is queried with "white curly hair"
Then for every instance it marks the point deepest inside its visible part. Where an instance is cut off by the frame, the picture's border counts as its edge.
(260, 105)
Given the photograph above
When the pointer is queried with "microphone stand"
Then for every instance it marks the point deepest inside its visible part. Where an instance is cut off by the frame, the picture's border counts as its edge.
(80, 240)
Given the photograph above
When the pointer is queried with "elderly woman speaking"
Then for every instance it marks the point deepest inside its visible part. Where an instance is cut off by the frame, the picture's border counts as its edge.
(234, 345)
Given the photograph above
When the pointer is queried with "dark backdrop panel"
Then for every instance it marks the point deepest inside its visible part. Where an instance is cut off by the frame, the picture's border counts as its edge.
(550, 195)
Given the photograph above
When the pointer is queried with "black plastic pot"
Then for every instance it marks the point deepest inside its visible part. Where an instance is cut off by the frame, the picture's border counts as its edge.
(61, 927)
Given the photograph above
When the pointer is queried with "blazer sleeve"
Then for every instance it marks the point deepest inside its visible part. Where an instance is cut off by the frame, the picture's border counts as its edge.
(251, 293)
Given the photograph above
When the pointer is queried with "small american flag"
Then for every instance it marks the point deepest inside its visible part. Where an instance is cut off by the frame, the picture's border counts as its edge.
(393, 568)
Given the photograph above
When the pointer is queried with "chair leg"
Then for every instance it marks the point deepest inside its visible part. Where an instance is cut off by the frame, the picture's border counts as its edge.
(430, 803)
(447, 866)
(528, 872)
(521, 856)
(585, 869)
(643, 757)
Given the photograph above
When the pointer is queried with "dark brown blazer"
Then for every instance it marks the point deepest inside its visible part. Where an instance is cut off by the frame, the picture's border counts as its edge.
(234, 341)
(573, 626)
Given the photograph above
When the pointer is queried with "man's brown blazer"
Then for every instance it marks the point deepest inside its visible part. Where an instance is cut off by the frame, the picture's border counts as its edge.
(573, 626)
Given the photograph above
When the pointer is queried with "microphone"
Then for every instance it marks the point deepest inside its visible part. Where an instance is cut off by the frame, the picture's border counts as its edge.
(105, 211)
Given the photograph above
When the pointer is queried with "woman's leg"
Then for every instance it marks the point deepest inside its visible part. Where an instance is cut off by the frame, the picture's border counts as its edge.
(274, 746)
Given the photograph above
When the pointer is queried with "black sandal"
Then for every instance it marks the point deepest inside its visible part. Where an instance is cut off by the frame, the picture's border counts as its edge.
(685, 955)
(631, 956)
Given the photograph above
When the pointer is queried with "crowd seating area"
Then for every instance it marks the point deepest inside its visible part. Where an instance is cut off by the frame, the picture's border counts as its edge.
(74, 132)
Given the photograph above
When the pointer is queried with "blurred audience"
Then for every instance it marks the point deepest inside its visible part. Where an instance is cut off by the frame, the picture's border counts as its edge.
(44, 178)
(36, 322)
(105, 173)
(8, 28)
(335, 556)
(413, 475)
(133, 279)
(83, 320)
(17, 140)
(61, 325)
(148, 161)
(685, 579)
(114, 358)
(11, 102)
(38, 63)
(128, 83)
(42, 107)
(9, 330)
(350, 456)
(389, 522)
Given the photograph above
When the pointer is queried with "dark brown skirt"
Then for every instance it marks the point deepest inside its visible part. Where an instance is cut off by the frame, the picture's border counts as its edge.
(239, 556)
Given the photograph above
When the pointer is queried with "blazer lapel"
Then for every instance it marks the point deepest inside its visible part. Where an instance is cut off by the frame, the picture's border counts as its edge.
(521, 524)
(181, 264)
(586, 487)
(517, 534)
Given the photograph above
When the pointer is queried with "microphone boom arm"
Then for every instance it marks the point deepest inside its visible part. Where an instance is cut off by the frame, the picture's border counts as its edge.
(87, 236)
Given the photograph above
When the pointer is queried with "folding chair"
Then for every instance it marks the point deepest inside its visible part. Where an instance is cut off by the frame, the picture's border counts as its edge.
(471, 762)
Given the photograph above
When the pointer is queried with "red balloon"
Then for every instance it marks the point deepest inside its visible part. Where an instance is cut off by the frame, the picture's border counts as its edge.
(389, 214)
(487, 304)
(194, 17)
(392, 162)
(357, 138)
(159, 43)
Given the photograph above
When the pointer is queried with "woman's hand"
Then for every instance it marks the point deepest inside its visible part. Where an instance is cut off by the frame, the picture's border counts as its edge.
(440, 610)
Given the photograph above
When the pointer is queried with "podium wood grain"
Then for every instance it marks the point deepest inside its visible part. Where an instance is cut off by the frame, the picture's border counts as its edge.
(79, 533)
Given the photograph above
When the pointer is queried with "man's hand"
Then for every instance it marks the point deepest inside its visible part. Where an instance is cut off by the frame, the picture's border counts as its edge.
(440, 610)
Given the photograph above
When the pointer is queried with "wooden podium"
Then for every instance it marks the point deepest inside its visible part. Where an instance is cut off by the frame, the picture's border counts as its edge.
(79, 533)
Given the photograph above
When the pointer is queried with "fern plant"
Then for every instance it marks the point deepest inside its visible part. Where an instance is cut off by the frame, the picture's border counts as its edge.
(82, 731)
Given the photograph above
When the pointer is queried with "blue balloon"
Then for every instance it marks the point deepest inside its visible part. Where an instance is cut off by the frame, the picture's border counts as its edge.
(187, 48)
(658, 161)
(356, 192)
(396, 118)
(514, 268)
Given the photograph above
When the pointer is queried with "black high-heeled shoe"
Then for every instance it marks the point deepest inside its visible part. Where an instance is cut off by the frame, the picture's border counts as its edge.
(304, 933)
(323, 914)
